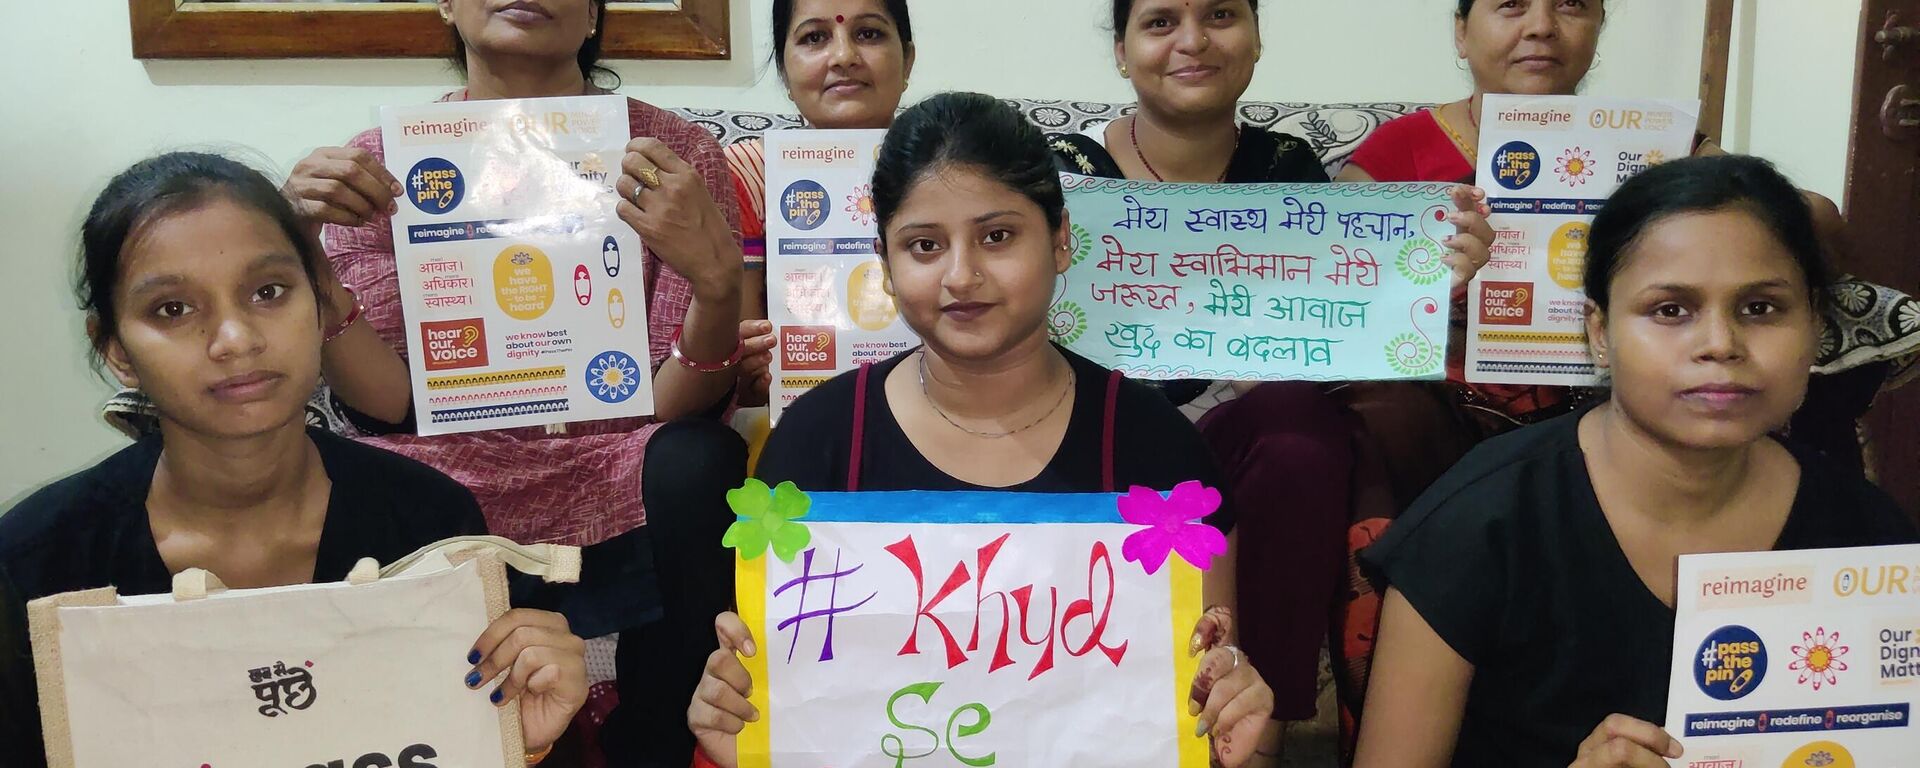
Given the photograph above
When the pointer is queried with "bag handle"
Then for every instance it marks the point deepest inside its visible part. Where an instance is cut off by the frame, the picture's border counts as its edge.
(196, 584)
(554, 563)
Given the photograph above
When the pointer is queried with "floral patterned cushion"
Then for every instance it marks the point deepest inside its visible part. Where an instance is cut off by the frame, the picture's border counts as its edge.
(1335, 130)
(1868, 323)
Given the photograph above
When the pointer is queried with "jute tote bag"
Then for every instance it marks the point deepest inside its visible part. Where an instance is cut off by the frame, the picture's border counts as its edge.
(365, 673)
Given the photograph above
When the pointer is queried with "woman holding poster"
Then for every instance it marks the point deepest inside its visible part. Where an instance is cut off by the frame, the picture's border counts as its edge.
(1536, 48)
(845, 64)
(1190, 63)
(202, 291)
(588, 483)
(974, 232)
(1530, 617)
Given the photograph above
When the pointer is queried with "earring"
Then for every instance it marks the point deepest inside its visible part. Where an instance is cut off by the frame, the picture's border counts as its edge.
(1460, 64)
(1123, 70)
(1597, 61)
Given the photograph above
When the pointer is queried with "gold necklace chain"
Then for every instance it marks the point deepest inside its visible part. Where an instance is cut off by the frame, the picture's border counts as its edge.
(1466, 150)
(991, 435)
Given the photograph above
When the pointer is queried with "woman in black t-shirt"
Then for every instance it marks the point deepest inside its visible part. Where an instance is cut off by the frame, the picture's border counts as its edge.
(974, 235)
(199, 283)
(1529, 620)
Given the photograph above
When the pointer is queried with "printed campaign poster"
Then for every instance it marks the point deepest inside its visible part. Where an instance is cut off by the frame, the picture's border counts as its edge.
(1548, 164)
(825, 283)
(1805, 659)
(971, 629)
(522, 289)
(1321, 282)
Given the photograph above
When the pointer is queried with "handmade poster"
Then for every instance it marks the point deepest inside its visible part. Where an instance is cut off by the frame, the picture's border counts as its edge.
(341, 674)
(825, 283)
(523, 291)
(1548, 164)
(1321, 282)
(1805, 659)
(971, 629)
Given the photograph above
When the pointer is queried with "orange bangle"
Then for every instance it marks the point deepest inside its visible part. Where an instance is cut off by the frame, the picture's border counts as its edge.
(534, 758)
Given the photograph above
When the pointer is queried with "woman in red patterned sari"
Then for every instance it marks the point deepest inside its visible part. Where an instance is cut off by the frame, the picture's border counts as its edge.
(591, 483)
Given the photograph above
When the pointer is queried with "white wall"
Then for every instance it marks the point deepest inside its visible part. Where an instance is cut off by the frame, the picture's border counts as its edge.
(1790, 88)
(78, 108)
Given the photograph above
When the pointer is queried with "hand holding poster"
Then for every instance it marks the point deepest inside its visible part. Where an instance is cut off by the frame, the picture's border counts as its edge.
(1548, 164)
(971, 629)
(1319, 282)
(523, 292)
(1797, 659)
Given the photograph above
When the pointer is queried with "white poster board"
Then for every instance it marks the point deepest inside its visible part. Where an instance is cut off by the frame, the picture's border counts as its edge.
(825, 293)
(957, 630)
(522, 289)
(1548, 164)
(1808, 658)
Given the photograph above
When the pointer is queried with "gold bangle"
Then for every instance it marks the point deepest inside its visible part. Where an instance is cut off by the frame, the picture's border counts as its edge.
(534, 758)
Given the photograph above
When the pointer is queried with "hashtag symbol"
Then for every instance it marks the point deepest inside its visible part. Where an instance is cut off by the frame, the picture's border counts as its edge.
(1707, 658)
(801, 614)
(419, 180)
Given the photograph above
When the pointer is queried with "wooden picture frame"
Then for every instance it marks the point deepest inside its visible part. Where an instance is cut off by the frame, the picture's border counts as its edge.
(172, 29)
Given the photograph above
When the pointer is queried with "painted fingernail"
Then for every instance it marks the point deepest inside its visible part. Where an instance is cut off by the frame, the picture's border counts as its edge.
(473, 679)
(1193, 707)
(496, 696)
(1201, 727)
(473, 657)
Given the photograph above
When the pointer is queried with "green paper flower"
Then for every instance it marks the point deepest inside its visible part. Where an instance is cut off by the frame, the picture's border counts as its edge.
(767, 517)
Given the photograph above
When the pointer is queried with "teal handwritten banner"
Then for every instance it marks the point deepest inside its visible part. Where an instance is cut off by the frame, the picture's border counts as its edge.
(1320, 282)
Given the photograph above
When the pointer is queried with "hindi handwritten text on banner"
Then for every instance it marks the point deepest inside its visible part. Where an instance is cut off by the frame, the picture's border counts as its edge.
(1257, 281)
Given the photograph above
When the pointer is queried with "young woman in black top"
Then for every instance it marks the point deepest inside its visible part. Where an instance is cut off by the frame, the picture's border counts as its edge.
(1529, 620)
(974, 234)
(198, 283)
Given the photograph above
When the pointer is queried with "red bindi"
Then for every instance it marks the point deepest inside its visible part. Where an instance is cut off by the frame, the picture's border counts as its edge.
(839, 19)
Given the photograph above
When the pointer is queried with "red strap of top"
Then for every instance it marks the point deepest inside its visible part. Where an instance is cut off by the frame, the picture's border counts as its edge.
(1106, 433)
(854, 454)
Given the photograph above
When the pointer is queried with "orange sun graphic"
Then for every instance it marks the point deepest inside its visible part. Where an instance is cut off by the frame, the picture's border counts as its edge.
(1819, 659)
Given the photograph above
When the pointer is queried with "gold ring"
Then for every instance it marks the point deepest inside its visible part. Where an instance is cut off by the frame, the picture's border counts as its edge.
(649, 177)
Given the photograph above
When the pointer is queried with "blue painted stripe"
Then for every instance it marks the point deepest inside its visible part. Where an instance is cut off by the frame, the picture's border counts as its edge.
(963, 507)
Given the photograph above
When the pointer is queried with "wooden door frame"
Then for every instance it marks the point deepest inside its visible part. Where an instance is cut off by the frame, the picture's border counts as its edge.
(1883, 207)
(1716, 49)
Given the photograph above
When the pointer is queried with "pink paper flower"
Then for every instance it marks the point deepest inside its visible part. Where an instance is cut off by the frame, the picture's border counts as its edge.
(1172, 525)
